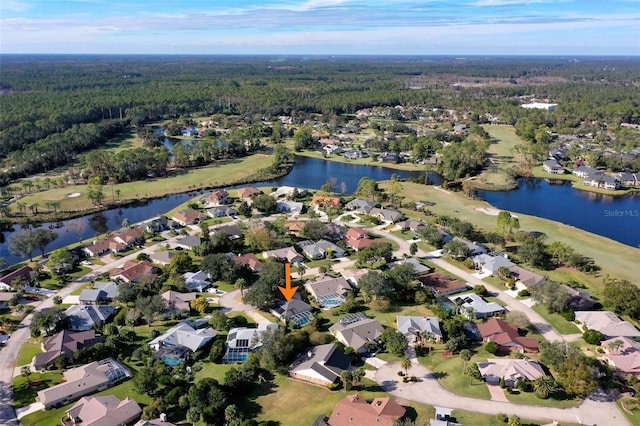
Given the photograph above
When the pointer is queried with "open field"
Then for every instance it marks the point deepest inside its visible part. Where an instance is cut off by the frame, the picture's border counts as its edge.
(220, 174)
(503, 140)
(614, 258)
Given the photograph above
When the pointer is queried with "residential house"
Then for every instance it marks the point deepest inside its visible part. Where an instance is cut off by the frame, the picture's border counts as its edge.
(5, 298)
(160, 421)
(288, 191)
(295, 227)
(232, 230)
(442, 285)
(359, 239)
(552, 166)
(250, 260)
(24, 273)
(328, 291)
(222, 211)
(162, 257)
(65, 343)
(101, 247)
(286, 206)
(320, 249)
(594, 180)
(507, 337)
(525, 277)
(102, 411)
(320, 365)
(419, 329)
(132, 272)
(473, 306)
(386, 215)
(321, 201)
(295, 310)
(197, 281)
(188, 242)
(158, 224)
(628, 179)
(84, 380)
(288, 254)
(217, 198)
(357, 331)
(606, 323)
(443, 417)
(86, 317)
(586, 171)
(389, 157)
(579, 299)
(130, 237)
(474, 248)
(411, 225)
(334, 231)
(102, 292)
(176, 345)
(178, 301)
(354, 410)
(188, 217)
(490, 262)
(360, 206)
(511, 370)
(353, 275)
(248, 192)
(243, 341)
(611, 183)
(418, 268)
(332, 149)
(355, 154)
(623, 354)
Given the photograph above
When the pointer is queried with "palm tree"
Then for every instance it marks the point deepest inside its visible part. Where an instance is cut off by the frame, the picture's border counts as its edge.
(118, 194)
(405, 364)
(465, 354)
(347, 380)
(544, 386)
(241, 284)
(615, 345)
(358, 375)
(26, 372)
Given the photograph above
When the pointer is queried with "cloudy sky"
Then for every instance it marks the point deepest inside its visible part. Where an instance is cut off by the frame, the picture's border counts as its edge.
(419, 27)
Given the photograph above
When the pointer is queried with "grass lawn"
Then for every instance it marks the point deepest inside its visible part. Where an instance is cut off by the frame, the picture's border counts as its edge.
(558, 322)
(615, 259)
(318, 263)
(23, 394)
(77, 291)
(388, 319)
(448, 370)
(531, 398)
(632, 416)
(477, 419)
(503, 140)
(28, 351)
(52, 284)
(214, 371)
(220, 174)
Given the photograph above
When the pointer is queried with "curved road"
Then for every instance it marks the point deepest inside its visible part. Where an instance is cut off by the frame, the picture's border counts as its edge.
(428, 391)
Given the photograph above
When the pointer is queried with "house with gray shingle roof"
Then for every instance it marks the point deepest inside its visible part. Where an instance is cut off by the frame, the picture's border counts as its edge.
(417, 329)
(102, 292)
(86, 317)
(320, 365)
(472, 306)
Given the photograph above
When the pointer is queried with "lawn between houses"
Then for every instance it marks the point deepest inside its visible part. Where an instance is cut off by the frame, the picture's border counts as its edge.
(615, 259)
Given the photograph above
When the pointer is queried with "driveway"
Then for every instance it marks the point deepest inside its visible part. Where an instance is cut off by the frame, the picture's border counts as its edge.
(232, 302)
(428, 391)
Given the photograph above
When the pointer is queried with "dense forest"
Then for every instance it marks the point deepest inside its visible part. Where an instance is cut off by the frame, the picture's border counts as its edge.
(55, 107)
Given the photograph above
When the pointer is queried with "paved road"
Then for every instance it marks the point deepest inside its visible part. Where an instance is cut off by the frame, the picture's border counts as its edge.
(429, 391)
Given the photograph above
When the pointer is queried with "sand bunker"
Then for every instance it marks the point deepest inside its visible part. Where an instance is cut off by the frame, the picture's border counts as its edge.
(489, 211)
(73, 195)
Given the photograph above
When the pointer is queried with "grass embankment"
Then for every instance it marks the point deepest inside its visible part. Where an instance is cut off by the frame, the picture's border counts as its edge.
(578, 183)
(500, 152)
(220, 174)
(615, 259)
(338, 158)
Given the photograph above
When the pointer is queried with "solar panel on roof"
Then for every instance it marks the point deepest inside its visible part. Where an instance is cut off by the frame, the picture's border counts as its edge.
(242, 343)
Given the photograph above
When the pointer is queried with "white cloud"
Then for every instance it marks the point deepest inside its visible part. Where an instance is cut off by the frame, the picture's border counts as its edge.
(14, 5)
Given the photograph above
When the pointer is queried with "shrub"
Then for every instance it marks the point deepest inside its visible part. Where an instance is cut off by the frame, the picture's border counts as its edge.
(469, 264)
(524, 293)
(380, 305)
(569, 315)
(405, 380)
(479, 289)
(492, 348)
(400, 373)
(414, 379)
(502, 417)
(333, 386)
(502, 383)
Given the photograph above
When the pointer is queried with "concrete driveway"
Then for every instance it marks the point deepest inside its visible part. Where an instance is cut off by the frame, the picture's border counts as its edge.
(428, 391)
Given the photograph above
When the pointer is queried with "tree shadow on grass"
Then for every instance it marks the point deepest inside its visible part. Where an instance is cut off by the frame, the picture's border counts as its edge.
(438, 375)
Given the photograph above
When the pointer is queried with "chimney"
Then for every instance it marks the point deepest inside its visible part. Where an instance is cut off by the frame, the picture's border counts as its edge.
(163, 417)
(310, 354)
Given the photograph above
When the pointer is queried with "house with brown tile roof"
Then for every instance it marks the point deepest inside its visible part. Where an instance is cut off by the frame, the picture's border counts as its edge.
(217, 198)
(288, 254)
(358, 239)
(179, 301)
(441, 285)
(248, 192)
(507, 337)
(132, 272)
(109, 245)
(105, 410)
(325, 201)
(356, 411)
(188, 217)
(250, 260)
(130, 237)
(23, 272)
(65, 343)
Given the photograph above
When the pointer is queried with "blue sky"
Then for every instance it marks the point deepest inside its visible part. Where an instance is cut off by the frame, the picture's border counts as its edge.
(417, 27)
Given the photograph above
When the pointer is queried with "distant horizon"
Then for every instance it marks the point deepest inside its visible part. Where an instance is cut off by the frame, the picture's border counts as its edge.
(322, 27)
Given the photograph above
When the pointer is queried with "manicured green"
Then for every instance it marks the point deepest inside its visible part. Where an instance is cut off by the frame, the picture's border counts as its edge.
(449, 371)
(477, 419)
(531, 398)
(25, 394)
(558, 322)
(500, 152)
(28, 351)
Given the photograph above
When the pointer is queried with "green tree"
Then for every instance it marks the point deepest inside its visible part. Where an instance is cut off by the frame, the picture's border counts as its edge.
(59, 261)
(244, 209)
(42, 238)
(465, 355)
(544, 386)
(368, 187)
(373, 285)
(506, 223)
(413, 249)
(22, 244)
(314, 230)
(264, 291)
(232, 415)
(95, 191)
(621, 296)
(514, 421)
(150, 306)
(559, 252)
(303, 138)
(200, 304)
(405, 364)
(181, 262)
(456, 249)
(593, 337)
(264, 203)
(26, 372)
(394, 342)
(347, 380)
(532, 251)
